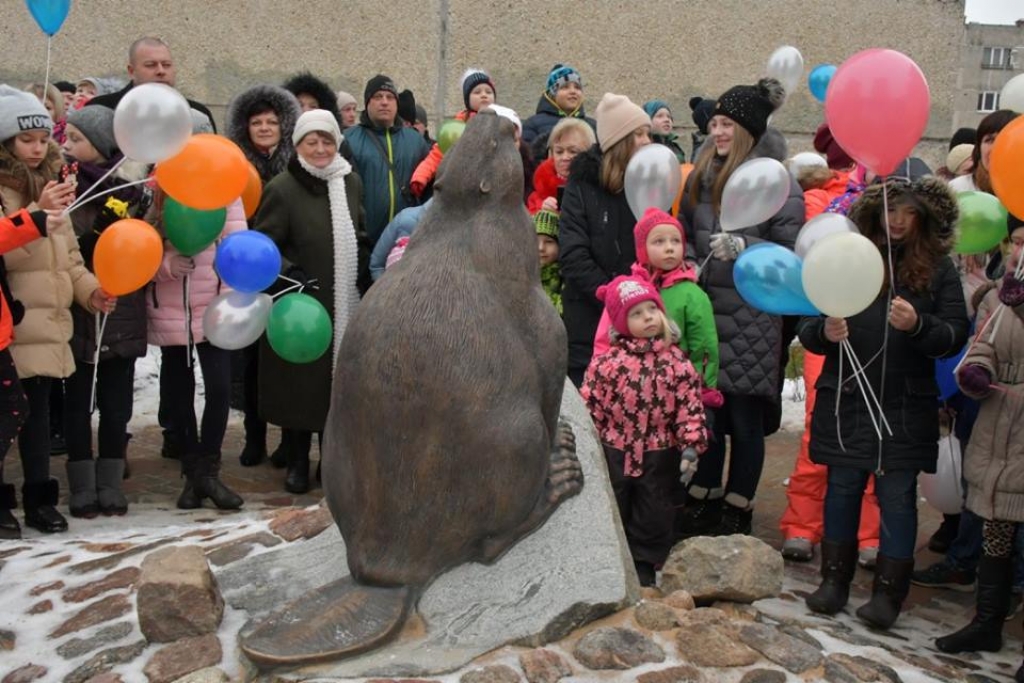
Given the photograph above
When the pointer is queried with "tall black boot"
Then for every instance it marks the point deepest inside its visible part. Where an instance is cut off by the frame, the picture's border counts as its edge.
(209, 485)
(985, 632)
(9, 527)
(190, 499)
(838, 565)
(889, 590)
(40, 502)
(297, 479)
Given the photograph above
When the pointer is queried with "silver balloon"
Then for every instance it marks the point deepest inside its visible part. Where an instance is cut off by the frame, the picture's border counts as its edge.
(799, 162)
(787, 66)
(234, 320)
(820, 227)
(653, 178)
(755, 192)
(152, 123)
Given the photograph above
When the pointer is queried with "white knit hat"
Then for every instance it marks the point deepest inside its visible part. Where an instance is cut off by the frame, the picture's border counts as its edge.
(21, 111)
(617, 118)
(316, 120)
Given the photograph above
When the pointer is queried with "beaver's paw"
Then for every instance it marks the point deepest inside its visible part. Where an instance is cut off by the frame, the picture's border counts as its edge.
(565, 474)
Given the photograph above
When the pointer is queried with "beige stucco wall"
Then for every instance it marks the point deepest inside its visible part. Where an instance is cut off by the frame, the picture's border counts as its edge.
(670, 49)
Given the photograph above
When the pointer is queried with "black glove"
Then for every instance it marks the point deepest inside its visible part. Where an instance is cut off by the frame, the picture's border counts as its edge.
(299, 275)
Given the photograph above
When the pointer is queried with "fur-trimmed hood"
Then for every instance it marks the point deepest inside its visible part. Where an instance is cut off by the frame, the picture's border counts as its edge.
(586, 166)
(306, 82)
(930, 194)
(287, 108)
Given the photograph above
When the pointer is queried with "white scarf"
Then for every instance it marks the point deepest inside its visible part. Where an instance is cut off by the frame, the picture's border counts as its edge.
(346, 249)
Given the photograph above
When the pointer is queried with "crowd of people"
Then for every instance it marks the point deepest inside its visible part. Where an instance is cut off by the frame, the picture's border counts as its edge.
(682, 376)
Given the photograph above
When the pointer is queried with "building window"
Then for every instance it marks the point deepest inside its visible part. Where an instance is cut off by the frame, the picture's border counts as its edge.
(995, 58)
(988, 101)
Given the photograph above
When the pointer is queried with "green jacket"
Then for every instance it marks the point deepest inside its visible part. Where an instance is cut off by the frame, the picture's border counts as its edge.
(689, 307)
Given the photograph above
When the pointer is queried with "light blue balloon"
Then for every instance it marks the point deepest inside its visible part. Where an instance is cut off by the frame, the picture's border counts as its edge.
(49, 14)
(818, 80)
(768, 277)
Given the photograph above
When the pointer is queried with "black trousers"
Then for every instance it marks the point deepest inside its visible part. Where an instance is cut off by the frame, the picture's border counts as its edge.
(115, 384)
(13, 405)
(177, 397)
(645, 502)
(34, 438)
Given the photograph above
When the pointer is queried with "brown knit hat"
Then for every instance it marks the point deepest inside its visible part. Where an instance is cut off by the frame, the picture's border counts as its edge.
(617, 117)
(827, 145)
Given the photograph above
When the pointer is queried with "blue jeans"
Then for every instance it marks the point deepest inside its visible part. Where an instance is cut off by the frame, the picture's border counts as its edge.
(897, 501)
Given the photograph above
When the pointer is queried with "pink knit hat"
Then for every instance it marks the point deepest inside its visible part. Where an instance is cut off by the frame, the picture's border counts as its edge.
(622, 294)
(652, 218)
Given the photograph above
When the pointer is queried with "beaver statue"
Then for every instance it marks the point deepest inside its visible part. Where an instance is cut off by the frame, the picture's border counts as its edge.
(443, 444)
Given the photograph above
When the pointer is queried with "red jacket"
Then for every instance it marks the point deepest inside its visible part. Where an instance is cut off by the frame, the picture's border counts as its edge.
(16, 230)
(545, 184)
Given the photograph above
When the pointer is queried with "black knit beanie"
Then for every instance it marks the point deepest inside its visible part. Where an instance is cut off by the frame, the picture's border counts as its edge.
(376, 84)
(751, 105)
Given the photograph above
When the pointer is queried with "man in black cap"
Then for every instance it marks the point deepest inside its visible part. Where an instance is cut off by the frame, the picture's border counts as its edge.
(385, 153)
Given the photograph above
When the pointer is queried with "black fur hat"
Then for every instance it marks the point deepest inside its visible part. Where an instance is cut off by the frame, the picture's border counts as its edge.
(306, 82)
(254, 101)
(751, 105)
(930, 194)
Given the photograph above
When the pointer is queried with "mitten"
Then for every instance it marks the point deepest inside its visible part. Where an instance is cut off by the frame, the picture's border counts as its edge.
(1011, 292)
(975, 381)
(711, 398)
(727, 247)
(687, 465)
(299, 275)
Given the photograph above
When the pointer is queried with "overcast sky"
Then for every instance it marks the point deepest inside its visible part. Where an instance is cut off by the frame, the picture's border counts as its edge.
(994, 11)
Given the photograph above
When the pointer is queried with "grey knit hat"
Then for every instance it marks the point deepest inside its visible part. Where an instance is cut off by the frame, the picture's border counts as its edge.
(97, 125)
(21, 111)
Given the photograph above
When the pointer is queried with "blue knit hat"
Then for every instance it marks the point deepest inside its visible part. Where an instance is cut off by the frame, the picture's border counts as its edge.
(653, 106)
(561, 76)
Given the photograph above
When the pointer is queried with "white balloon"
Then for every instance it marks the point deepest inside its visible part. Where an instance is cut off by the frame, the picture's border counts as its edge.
(234, 320)
(653, 178)
(843, 274)
(1012, 95)
(820, 227)
(799, 162)
(943, 490)
(755, 192)
(787, 66)
(152, 122)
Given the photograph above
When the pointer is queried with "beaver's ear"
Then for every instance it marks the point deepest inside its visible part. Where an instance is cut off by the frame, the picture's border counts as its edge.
(485, 187)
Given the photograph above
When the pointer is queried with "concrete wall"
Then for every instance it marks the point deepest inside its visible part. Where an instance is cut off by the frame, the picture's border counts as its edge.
(672, 50)
(974, 78)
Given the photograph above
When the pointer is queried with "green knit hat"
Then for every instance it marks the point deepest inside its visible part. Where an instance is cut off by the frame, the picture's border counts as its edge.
(546, 223)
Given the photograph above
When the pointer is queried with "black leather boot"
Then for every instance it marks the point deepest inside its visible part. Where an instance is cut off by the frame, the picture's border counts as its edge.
(838, 565)
(735, 520)
(889, 590)
(209, 485)
(985, 632)
(9, 527)
(699, 517)
(40, 501)
(190, 498)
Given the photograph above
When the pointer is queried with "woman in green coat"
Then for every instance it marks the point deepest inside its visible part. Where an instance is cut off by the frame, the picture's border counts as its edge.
(314, 213)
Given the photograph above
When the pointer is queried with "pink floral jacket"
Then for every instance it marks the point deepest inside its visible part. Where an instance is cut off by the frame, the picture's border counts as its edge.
(644, 395)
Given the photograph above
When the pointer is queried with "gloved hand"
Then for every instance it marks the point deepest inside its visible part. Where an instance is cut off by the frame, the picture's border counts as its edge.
(727, 247)
(975, 381)
(711, 398)
(687, 465)
(1011, 292)
(299, 275)
(180, 266)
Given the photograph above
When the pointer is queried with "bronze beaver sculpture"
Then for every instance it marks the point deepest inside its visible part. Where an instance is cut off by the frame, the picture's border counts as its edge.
(443, 442)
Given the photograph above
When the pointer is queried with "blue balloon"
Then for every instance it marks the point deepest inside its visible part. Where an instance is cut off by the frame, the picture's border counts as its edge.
(248, 261)
(818, 80)
(49, 14)
(768, 277)
(944, 376)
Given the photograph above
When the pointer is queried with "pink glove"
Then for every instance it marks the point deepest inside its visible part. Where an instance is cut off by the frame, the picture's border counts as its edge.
(1011, 292)
(974, 381)
(711, 398)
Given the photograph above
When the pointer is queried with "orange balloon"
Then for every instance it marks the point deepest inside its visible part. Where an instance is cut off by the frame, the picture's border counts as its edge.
(685, 169)
(128, 254)
(252, 192)
(1006, 166)
(209, 173)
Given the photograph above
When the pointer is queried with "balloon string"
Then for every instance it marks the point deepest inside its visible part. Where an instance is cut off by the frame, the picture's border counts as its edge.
(101, 326)
(186, 296)
(839, 393)
(866, 389)
(77, 204)
(89, 194)
(296, 285)
(46, 78)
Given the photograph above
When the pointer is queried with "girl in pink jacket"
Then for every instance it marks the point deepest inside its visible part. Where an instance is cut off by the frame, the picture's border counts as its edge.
(644, 397)
(168, 328)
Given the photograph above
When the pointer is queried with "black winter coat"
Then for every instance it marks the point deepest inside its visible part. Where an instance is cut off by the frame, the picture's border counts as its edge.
(910, 393)
(750, 342)
(111, 100)
(595, 239)
(537, 128)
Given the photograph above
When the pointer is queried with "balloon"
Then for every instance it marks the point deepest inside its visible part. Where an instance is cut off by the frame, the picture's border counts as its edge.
(127, 256)
(152, 122)
(767, 276)
(233, 320)
(684, 172)
(819, 227)
(191, 230)
(252, 192)
(982, 223)
(652, 178)
(755, 192)
(945, 376)
(1012, 95)
(209, 173)
(862, 96)
(1006, 166)
(299, 329)
(943, 490)
(449, 134)
(843, 274)
(799, 162)
(248, 261)
(49, 14)
(818, 80)
(787, 66)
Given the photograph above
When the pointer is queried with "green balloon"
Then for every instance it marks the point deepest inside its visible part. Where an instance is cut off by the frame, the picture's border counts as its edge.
(449, 134)
(299, 329)
(191, 230)
(982, 224)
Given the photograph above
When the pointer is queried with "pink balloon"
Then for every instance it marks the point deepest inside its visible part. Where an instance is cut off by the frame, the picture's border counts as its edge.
(877, 108)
